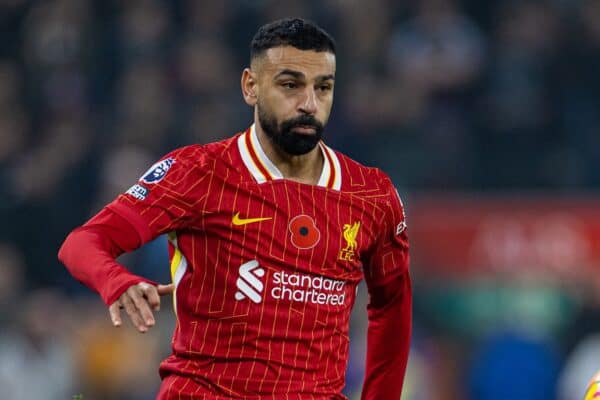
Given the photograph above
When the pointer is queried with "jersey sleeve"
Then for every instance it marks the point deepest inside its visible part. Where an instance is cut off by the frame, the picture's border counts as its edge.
(166, 196)
(390, 255)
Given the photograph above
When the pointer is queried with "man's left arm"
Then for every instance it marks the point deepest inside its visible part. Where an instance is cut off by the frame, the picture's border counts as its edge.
(390, 303)
(388, 338)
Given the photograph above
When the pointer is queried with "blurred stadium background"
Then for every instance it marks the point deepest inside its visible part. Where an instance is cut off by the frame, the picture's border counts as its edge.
(486, 114)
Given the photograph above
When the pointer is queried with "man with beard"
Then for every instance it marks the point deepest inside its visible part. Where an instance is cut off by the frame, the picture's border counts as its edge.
(270, 232)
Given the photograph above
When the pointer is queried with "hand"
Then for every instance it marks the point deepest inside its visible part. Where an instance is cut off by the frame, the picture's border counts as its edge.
(139, 301)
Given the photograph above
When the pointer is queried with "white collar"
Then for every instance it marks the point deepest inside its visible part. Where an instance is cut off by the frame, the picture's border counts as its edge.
(263, 169)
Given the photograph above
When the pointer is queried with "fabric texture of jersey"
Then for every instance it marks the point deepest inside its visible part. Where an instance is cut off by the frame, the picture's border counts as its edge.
(265, 268)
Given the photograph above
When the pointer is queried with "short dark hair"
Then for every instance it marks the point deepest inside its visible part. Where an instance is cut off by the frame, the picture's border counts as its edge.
(296, 32)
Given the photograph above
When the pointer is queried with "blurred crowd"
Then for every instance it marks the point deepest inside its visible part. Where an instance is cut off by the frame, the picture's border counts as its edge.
(444, 95)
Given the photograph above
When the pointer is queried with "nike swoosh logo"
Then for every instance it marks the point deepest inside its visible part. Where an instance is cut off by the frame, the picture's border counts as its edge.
(236, 220)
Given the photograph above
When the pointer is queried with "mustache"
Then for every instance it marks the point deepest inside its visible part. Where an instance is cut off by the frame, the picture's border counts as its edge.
(303, 120)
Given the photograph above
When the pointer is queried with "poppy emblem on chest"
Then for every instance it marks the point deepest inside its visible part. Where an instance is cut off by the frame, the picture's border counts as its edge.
(304, 233)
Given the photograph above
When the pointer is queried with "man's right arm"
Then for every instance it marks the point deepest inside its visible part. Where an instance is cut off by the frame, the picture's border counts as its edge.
(165, 199)
(89, 253)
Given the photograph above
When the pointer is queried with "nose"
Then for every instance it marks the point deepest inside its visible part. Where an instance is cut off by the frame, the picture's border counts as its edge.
(308, 104)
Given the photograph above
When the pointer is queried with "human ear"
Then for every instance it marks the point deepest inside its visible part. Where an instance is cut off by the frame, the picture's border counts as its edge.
(249, 87)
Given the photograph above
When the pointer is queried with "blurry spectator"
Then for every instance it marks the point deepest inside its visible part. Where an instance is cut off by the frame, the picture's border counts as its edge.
(54, 33)
(113, 364)
(208, 103)
(203, 64)
(11, 12)
(12, 282)
(55, 40)
(52, 185)
(213, 119)
(369, 25)
(519, 129)
(580, 63)
(14, 121)
(433, 61)
(35, 356)
(143, 107)
(440, 48)
(41, 172)
(143, 31)
(273, 9)
(209, 19)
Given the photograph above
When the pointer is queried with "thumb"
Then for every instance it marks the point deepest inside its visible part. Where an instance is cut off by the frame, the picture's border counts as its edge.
(165, 289)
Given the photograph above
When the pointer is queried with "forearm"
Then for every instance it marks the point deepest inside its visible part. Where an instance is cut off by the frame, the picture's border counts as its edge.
(89, 254)
(388, 339)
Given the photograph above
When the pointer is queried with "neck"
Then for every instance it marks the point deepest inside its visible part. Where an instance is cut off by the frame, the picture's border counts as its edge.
(305, 168)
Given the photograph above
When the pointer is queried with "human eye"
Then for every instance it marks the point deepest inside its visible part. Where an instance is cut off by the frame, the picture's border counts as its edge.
(325, 87)
(289, 85)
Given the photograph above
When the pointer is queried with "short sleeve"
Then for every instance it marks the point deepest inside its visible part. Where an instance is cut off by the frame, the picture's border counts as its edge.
(390, 255)
(166, 196)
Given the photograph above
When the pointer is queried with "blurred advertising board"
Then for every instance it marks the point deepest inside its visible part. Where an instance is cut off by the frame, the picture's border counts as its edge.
(478, 235)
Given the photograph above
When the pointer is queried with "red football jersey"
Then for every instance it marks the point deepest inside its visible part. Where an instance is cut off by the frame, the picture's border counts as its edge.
(265, 268)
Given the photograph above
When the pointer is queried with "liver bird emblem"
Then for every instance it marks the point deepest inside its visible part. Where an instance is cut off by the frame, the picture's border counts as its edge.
(350, 233)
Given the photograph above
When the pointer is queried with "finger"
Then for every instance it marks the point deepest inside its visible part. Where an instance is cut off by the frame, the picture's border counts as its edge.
(133, 313)
(151, 294)
(142, 306)
(165, 289)
(115, 313)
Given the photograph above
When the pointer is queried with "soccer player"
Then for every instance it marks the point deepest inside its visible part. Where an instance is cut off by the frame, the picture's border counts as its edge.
(269, 233)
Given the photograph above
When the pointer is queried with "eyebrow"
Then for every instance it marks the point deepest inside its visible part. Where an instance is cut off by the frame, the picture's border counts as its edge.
(300, 75)
(295, 74)
(329, 77)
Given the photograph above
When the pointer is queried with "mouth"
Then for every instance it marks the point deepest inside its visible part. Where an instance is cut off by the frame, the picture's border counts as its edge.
(305, 129)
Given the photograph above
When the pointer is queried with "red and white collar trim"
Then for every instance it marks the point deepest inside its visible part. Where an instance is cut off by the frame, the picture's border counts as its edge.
(263, 169)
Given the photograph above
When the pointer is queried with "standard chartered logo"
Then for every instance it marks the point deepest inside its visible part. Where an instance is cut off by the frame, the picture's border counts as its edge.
(248, 283)
(292, 287)
(308, 289)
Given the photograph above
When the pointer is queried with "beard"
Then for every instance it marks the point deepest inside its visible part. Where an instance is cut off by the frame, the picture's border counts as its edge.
(284, 138)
